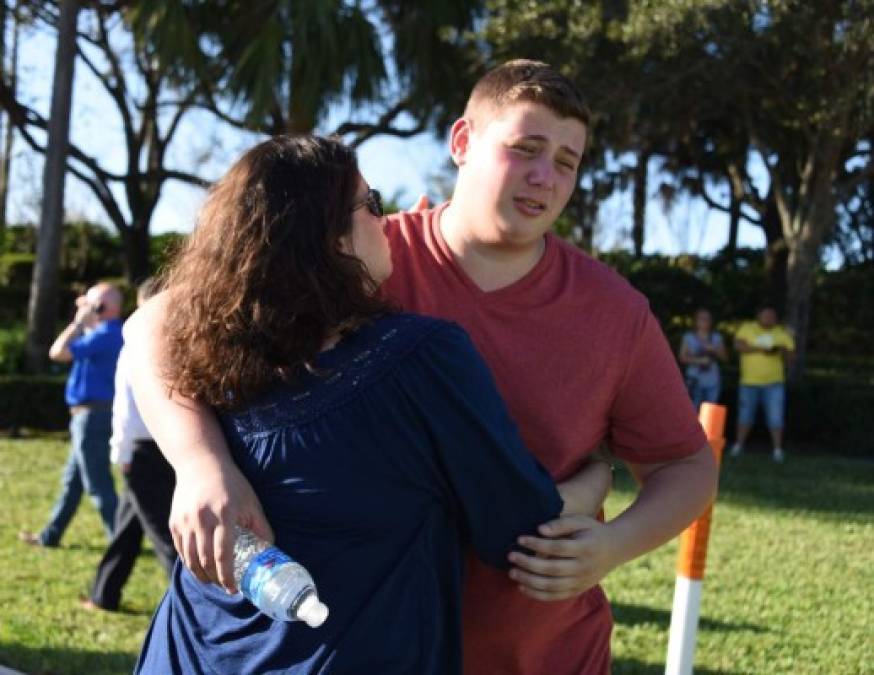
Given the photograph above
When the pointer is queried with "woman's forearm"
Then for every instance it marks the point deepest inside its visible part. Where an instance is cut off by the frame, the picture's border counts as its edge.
(212, 495)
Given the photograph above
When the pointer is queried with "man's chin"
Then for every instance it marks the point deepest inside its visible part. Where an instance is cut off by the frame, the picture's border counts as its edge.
(521, 238)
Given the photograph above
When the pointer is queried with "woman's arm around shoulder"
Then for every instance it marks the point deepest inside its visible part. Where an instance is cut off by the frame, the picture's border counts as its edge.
(211, 495)
(502, 490)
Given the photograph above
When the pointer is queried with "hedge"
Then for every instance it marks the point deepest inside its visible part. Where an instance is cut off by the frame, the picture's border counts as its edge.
(828, 414)
(35, 402)
(824, 413)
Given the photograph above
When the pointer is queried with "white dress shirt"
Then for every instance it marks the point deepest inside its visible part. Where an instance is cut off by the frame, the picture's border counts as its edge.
(127, 425)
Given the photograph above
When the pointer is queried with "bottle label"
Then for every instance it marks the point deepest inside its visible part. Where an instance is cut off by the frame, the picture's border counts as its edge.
(260, 571)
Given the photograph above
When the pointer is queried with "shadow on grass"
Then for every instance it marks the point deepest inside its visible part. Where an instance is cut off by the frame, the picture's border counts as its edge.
(85, 548)
(127, 610)
(818, 484)
(65, 661)
(635, 667)
(53, 661)
(632, 615)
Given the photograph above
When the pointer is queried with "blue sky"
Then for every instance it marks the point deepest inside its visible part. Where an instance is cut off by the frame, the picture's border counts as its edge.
(400, 167)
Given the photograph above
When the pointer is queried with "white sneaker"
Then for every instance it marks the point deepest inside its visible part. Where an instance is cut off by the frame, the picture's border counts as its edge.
(778, 455)
(736, 450)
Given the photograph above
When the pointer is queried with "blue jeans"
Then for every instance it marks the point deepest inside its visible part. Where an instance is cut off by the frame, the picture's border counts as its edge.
(87, 468)
(701, 393)
(771, 397)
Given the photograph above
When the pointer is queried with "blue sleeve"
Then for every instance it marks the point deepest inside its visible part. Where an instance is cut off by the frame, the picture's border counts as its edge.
(500, 489)
(95, 342)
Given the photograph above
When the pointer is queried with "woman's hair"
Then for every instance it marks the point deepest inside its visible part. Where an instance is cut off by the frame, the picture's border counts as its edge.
(262, 281)
(148, 287)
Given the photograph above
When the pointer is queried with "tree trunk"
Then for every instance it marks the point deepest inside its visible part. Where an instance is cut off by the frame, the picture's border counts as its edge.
(44, 285)
(733, 226)
(737, 192)
(135, 240)
(804, 261)
(4, 14)
(776, 256)
(800, 277)
(10, 75)
(640, 182)
(581, 203)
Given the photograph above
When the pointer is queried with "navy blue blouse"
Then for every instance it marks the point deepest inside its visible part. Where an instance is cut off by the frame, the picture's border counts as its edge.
(375, 473)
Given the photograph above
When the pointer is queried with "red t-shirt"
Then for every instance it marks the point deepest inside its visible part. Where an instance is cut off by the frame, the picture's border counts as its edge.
(579, 359)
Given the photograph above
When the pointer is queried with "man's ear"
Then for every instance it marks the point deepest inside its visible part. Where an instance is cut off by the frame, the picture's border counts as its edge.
(459, 140)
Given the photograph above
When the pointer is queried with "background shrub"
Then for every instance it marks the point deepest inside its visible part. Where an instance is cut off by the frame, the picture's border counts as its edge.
(12, 349)
(822, 411)
(33, 401)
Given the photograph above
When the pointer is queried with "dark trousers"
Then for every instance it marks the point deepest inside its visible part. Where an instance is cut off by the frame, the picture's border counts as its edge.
(144, 506)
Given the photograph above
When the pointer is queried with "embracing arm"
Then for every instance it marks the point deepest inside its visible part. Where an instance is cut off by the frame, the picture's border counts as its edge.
(576, 552)
(584, 493)
(211, 494)
(651, 419)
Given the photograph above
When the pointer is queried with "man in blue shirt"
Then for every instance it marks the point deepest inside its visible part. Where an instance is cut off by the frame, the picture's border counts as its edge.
(92, 343)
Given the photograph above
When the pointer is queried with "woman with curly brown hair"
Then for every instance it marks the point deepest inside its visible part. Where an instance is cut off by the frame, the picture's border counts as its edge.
(375, 440)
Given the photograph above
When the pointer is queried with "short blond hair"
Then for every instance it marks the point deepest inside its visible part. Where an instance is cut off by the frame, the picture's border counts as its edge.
(526, 80)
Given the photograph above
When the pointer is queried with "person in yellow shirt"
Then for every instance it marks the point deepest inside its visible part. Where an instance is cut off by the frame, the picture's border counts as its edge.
(765, 348)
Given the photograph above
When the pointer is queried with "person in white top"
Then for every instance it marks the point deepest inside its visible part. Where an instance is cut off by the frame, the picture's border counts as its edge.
(127, 425)
(145, 504)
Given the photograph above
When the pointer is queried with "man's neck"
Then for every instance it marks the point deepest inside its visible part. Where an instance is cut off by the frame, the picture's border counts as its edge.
(490, 266)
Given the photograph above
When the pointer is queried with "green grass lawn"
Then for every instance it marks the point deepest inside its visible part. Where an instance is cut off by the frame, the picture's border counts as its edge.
(789, 586)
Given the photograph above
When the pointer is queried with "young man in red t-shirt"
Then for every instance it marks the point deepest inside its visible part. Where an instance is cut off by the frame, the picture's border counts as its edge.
(577, 356)
(575, 352)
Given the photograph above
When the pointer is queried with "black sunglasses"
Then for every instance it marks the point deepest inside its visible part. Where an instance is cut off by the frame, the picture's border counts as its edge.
(373, 202)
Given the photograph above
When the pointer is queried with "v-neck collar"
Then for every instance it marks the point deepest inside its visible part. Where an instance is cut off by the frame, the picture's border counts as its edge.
(514, 289)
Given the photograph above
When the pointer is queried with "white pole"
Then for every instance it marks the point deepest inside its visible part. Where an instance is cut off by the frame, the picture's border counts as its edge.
(684, 626)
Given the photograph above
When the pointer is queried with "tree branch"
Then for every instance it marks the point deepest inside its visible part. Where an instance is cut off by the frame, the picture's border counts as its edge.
(118, 89)
(777, 190)
(183, 176)
(710, 201)
(97, 183)
(22, 117)
(114, 92)
(104, 196)
(368, 131)
(383, 125)
(181, 108)
(853, 179)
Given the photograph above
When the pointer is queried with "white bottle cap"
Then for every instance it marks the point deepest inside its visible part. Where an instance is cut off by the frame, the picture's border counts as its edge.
(312, 612)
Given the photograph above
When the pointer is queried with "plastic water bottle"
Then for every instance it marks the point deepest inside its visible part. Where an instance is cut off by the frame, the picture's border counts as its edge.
(274, 582)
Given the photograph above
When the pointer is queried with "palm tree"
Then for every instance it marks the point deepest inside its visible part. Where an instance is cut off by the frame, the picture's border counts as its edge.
(150, 108)
(277, 66)
(42, 307)
(9, 74)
